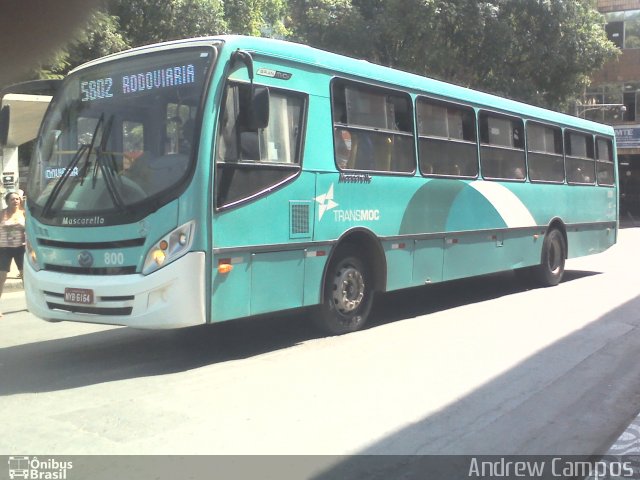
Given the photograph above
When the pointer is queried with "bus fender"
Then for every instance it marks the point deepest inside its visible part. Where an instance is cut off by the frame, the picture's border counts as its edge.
(366, 242)
(557, 223)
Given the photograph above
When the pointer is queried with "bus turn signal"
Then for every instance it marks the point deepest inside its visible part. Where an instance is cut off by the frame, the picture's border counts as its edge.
(225, 268)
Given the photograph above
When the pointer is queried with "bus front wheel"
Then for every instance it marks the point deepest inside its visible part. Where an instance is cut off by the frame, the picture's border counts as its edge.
(554, 252)
(348, 294)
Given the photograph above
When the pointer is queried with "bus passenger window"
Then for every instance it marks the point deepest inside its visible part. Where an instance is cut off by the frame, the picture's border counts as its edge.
(604, 161)
(447, 139)
(580, 162)
(545, 153)
(373, 128)
(502, 147)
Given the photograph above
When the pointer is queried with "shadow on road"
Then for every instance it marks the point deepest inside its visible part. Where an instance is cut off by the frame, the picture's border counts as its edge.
(418, 301)
(573, 398)
(128, 353)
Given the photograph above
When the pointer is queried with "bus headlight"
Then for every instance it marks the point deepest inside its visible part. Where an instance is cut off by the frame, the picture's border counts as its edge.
(170, 247)
(32, 256)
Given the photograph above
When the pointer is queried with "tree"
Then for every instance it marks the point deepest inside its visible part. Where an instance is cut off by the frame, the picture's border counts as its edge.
(122, 24)
(100, 37)
(334, 25)
(538, 51)
(256, 17)
(149, 21)
(553, 48)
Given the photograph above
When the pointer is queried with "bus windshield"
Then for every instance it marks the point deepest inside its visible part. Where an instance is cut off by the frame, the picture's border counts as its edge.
(119, 135)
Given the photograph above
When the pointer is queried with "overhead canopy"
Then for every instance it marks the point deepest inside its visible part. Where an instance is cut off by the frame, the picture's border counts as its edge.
(26, 115)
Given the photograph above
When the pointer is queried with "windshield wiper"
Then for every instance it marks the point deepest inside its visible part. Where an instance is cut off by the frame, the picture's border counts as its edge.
(108, 168)
(61, 181)
(69, 169)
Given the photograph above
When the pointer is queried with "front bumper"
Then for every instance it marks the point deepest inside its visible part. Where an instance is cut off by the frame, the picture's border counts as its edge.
(171, 297)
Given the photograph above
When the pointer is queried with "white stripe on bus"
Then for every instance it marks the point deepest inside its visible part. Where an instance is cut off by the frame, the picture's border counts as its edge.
(509, 206)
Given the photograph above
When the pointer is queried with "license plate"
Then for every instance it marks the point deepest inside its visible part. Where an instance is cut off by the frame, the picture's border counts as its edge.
(83, 296)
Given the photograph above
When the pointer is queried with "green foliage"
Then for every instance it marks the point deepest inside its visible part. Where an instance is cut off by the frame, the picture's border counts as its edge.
(334, 25)
(122, 24)
(538, 51)
(552, 49)
(256, 17)
(149, 21)
(101, 37)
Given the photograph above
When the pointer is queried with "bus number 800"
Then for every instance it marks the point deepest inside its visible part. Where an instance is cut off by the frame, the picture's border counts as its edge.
(113, 258)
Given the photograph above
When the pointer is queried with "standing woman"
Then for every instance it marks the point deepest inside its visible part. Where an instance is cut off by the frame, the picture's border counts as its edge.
(12, 238)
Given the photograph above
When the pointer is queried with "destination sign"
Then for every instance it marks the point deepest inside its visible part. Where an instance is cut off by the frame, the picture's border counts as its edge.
(110, 87)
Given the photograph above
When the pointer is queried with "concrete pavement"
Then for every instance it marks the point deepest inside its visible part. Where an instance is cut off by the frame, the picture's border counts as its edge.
(14, 282)
(627, 443)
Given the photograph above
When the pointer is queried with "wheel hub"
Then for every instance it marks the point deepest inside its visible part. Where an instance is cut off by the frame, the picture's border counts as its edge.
(349, 290)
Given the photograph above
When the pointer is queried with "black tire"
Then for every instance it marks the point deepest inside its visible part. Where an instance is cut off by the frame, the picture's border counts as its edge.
(348, 294)
(554, 252)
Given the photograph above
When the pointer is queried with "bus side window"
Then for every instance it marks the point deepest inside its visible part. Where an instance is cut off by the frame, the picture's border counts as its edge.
(502, 155)
(447, 139)
(373, 128)
(545, 153)
(251, 160)
(604, 161)
(580, 161)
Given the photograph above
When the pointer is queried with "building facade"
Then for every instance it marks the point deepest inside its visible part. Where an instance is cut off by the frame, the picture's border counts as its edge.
(614, 98)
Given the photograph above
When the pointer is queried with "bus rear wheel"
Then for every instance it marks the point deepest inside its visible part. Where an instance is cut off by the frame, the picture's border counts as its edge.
(554, 252)
(348, 295)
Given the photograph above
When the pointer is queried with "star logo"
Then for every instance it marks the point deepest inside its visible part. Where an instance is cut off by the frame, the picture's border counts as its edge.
(326, 202)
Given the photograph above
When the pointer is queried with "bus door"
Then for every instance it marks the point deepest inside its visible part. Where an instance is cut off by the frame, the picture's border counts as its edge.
(263, 201)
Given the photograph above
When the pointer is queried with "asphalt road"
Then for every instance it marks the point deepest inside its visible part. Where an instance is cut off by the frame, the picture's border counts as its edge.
(479, 366)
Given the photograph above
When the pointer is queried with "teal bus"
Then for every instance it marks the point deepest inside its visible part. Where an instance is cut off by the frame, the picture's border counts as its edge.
(210, 179)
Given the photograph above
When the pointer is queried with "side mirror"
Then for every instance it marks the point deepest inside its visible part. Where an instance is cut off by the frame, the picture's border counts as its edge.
(259, 108)
(4, 125)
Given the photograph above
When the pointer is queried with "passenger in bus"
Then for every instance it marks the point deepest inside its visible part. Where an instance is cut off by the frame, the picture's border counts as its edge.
(186, 137)
(427, 168)
(365, 152)
(581, 176)
(342, 139)
(12, 237)
(518, 173)
(604, 177)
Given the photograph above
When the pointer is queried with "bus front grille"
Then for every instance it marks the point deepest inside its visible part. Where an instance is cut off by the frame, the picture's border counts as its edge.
(127, 270)
(135, 242)
(90, 310)
(120, 298)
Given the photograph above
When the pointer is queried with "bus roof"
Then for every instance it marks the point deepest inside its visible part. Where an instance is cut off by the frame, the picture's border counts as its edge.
(340, 64)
